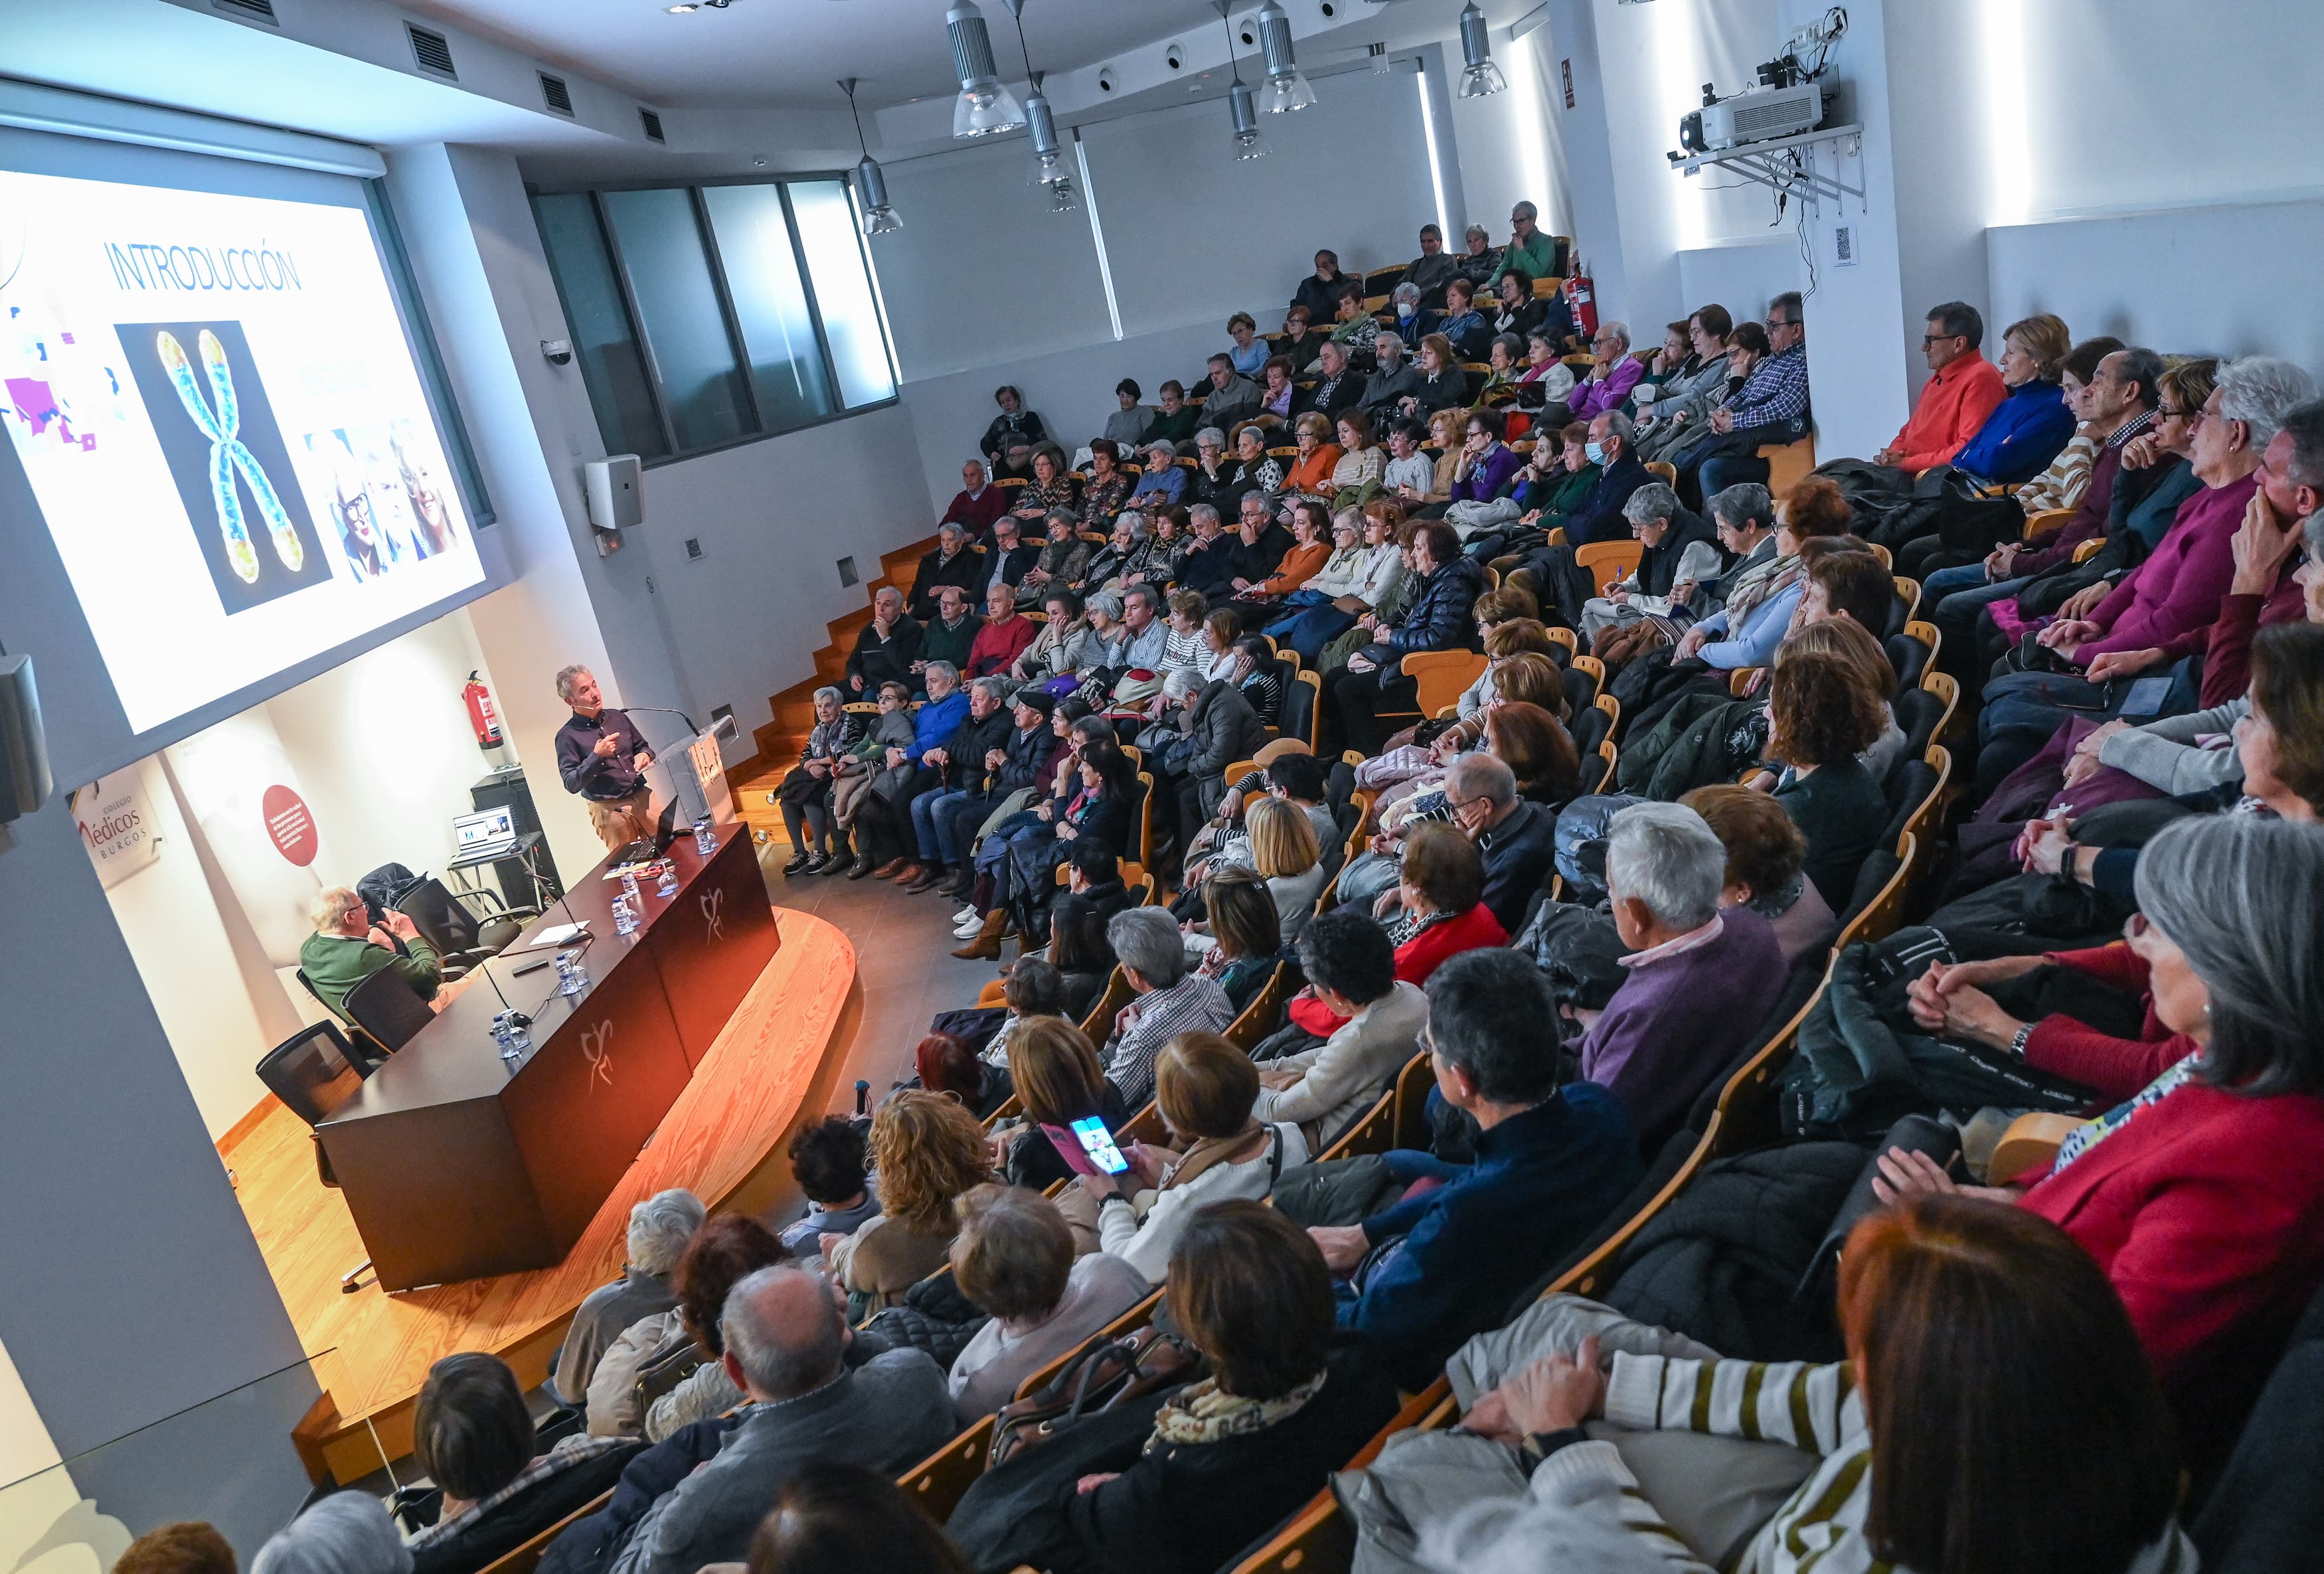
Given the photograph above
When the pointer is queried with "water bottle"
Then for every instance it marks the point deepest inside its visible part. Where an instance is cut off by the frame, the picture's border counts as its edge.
(629, 885)
(505, 1035)
(571, 979)
(706, 839)
(518, 1038)
(667, 885)
(625, 917)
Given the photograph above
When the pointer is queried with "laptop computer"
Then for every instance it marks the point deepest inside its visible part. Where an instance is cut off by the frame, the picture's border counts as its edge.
(484, 834)
(646, 849)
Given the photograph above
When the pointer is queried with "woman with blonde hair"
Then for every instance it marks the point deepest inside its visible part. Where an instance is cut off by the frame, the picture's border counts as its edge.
(1284, 852)
(1055, 1072)
(2029, 427)
(926, 1150)
(1362, 465)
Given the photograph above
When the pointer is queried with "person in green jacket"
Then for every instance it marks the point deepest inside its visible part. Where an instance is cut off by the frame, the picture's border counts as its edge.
(1529, 252)
(346, 948)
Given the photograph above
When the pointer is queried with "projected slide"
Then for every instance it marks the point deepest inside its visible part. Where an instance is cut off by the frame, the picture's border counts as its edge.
(218, 410)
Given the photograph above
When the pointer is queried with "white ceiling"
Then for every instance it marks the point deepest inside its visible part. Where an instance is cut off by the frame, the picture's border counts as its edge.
(788, 54)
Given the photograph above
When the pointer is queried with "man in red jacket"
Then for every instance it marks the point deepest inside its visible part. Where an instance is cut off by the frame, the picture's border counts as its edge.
(977, 504)
(1004, 636)
(1954, 403)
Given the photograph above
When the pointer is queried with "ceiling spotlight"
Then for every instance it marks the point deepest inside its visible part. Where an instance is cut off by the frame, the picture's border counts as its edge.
(1481, 76)
(1285, 88)
(871, 186)
(1049, 172)
(1241, 107)
(985, 107)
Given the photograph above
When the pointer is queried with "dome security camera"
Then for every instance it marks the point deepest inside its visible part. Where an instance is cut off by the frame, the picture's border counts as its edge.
(1328, 8)
(1247, 30)
(1175, 56)
(1105, 79)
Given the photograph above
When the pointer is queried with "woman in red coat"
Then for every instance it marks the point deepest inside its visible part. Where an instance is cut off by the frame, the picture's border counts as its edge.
(2203, 1197)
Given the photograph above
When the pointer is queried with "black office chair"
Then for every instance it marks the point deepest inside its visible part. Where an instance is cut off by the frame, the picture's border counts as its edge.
(446, 923)
(314, 1072)
(388, 1009)
(366, 1052)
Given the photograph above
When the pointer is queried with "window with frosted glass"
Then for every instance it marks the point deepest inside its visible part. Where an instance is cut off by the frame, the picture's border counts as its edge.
(605, 346)
(841, 274)
(771, 309)
(703, 390)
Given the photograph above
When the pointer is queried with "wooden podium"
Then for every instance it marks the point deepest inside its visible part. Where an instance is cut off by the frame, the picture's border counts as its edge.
(455, 1165)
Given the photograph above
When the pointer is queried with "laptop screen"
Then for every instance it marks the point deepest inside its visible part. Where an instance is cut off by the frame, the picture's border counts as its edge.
(476, 830)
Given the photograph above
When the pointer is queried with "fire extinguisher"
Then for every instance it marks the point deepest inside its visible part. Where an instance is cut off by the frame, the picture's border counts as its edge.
(1580, 299)
(481, 717)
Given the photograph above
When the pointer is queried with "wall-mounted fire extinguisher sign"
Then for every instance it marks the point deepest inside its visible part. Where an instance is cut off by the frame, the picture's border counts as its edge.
(481, 717)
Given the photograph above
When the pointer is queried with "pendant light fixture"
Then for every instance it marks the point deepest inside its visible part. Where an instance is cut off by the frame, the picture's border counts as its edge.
(1049, 172)
(1285, 88)
(871, 186)
(1481, 76)
(984, 107)
(1241, 107)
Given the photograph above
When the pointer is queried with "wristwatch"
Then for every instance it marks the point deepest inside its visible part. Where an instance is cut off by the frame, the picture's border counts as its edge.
(2018, 1045)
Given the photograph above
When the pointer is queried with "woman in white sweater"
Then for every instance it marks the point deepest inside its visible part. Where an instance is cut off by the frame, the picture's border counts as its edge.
(1205, 1087)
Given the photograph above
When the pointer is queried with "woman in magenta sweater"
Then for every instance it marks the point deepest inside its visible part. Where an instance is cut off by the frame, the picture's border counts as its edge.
(2203, 1196)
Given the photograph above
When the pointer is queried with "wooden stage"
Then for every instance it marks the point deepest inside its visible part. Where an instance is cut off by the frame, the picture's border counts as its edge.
(723, 1138)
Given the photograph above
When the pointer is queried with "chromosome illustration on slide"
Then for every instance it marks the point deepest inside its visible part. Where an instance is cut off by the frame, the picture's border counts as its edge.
(217, 433)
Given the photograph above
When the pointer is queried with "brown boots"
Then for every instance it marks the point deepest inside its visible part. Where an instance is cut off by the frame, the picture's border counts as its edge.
(986, 946)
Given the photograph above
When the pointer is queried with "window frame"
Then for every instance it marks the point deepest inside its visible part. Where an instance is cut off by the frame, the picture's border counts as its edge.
(708, 236)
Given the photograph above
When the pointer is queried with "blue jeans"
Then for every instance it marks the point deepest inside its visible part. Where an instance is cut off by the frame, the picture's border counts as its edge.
(1732, 470)
(1945, 581)
(957, 815)
(925, 809)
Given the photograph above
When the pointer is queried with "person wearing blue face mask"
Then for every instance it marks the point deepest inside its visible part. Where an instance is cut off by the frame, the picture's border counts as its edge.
(1612, 439)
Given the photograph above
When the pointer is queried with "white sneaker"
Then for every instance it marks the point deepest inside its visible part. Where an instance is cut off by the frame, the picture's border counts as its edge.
(969, 913)
(971, 929)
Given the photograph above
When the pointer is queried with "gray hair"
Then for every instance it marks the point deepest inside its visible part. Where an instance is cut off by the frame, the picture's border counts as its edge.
(660, 1227)
(1004, 589)
(884, 593)
(1335, 346)
(1385, 341)
(2238, 895)
(1105, 604)
(2260, 390)
(1146, 593)
(566, 677)
(346, 1533)
(993, 686)
(1406, 292)
(1196, 515)
(1667, 857)
(329, 907)
(2312, 533)
(1475, 231)
(1619, 425)
(1061, 515)
(1146, 939)
(782, 1361)
(1620, 330)
(1135, 523)
(1524, 210)
(1742, 502)
(829, 692)
(1180, 682)
(2305, 422)
(947, 668)
(1655, 500)
(953, 526)
(1209, 434)
(1478, 775)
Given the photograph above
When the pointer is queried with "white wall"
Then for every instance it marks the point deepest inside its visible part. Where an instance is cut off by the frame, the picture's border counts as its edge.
(1742, 276)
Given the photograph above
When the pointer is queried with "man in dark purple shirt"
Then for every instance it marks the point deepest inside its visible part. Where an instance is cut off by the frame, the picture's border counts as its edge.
(602, 757)
(1701, 980)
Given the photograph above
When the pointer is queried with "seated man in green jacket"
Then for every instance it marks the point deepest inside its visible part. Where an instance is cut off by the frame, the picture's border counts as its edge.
(345, 950)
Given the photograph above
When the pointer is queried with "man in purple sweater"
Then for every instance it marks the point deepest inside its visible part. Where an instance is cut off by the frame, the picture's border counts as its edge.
(1701, 980)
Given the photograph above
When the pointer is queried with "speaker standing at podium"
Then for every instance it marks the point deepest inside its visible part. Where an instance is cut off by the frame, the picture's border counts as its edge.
(603, 756)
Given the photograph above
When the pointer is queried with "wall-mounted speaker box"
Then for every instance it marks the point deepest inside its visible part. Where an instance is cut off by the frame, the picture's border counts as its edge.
(616, 487)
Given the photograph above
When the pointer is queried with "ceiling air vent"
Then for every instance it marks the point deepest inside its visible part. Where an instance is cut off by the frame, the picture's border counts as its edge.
(653, 122)
(249, 10)
(431, 50)
(554, 94)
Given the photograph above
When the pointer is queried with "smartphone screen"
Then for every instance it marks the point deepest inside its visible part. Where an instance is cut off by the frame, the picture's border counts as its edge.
(1098, 1143)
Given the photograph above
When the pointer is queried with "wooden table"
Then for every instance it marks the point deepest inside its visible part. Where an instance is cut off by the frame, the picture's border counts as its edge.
(456, 1164)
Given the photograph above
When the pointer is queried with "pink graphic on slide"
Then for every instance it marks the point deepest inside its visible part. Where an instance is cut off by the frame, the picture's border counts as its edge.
(36, 406)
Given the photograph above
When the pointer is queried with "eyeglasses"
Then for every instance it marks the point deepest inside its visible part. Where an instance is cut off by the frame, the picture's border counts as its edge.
(1929, 338)
(2164, 412)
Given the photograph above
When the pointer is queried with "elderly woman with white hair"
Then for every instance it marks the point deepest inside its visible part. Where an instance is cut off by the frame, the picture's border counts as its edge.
(1124, 545)
(660, 1227)
(346, 947)
(1163, 482)
(805, 795)
(1680, 551)
(1701, 979)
